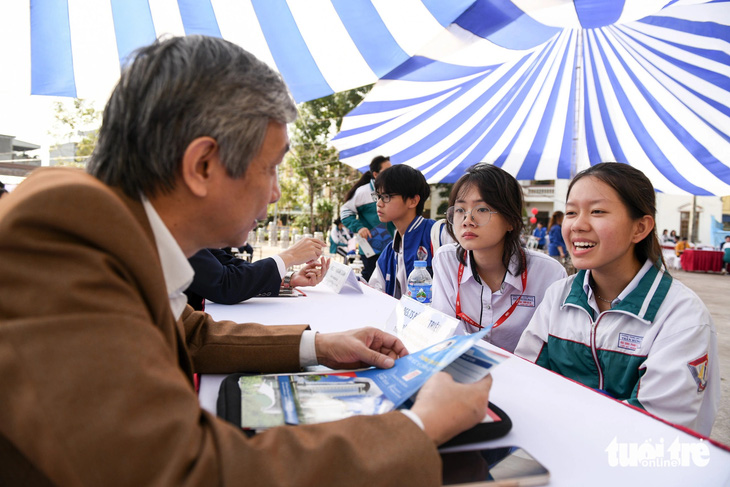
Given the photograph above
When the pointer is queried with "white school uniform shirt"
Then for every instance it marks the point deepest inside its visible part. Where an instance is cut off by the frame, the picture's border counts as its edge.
(481, 305)
(377, 279)
(658, 329)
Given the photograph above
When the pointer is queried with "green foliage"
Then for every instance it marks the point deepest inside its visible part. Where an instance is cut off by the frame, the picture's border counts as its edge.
(444, 189)
(293, 194)
(324, 210)
(313, 160)
(78, 124)
(299, 222)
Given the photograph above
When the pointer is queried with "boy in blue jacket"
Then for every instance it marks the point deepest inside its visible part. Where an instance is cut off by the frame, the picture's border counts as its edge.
(400, 194)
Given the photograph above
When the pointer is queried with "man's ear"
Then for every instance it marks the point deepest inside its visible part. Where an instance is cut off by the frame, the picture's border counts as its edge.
(643, 227)
(199, 160)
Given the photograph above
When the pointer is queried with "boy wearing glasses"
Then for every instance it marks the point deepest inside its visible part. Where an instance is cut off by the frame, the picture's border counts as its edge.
(400, 193)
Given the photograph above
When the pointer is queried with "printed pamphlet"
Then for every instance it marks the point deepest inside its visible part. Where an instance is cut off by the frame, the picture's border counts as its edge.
(273, 400)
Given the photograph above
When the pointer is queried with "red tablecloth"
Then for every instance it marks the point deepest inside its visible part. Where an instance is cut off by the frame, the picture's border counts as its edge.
(702, 260)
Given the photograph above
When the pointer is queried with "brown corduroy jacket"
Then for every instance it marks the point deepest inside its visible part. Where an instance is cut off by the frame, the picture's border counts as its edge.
(96, 374)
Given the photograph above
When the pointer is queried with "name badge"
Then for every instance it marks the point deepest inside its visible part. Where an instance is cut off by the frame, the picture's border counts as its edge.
(629, 342)
(526, 300)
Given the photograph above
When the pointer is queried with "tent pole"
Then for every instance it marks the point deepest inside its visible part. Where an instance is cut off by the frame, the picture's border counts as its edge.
(577, 101)
(692, 237)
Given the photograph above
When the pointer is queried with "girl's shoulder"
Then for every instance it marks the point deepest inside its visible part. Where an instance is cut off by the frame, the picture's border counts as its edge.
(447, 253)
(542, 261)
(681, 299)
(448, 248)
(365, 189)
(363, 195)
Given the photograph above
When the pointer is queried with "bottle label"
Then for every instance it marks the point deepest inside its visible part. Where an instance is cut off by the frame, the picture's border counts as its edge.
(420, 292)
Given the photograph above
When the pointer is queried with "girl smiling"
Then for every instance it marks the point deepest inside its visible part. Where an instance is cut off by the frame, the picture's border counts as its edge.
(622, 325)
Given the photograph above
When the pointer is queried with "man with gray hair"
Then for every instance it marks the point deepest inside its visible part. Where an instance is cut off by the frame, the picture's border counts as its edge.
(97, 345)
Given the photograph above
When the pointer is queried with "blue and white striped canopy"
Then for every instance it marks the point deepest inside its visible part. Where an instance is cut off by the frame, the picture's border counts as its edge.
(319, 46)
(545, 92)
(540, 87)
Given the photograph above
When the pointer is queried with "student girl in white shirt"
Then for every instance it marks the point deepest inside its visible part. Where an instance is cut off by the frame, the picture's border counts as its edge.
(488, 277)
(622, 325)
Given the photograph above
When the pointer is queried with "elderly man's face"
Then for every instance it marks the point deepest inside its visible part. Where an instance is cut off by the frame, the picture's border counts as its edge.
(247, 197)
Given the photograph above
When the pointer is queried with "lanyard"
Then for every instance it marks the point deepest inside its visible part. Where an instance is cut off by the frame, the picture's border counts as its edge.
(507, 314)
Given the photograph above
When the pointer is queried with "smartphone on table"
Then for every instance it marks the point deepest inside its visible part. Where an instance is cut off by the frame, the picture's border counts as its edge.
(493, 467)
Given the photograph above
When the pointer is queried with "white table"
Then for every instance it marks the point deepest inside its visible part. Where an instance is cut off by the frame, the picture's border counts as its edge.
(575, 432)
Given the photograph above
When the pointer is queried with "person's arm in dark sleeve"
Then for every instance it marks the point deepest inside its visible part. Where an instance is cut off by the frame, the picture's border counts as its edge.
(224, 279)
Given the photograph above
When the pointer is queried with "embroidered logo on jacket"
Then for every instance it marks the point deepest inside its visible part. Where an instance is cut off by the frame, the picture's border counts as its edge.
(629, 342)
(698, 369)
(421, 253)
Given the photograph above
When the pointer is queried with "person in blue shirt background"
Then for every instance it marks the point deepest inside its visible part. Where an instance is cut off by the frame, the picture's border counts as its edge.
(556, 246)
(540, 231)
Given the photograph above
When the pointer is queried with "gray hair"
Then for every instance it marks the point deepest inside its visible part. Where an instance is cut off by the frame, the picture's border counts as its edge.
(175, 91)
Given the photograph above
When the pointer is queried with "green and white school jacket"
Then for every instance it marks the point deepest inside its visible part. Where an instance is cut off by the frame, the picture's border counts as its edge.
(656, 348)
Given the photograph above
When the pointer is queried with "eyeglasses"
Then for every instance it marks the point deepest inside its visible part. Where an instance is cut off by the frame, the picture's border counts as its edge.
(382, 196)
(479, 215)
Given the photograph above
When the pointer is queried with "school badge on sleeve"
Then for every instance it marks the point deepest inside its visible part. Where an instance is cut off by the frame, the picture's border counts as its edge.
(698, 369)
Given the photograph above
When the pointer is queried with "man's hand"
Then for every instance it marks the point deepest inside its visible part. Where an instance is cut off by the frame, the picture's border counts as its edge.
(447, 408)
(364, 233)
(304, 251)
(311, 274)
(358, 348)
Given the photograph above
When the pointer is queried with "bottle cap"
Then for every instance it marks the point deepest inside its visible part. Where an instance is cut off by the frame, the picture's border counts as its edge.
(419, 263)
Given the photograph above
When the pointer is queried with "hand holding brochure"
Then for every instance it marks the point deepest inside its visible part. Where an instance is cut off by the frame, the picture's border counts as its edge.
(272, 400)
(418, 325)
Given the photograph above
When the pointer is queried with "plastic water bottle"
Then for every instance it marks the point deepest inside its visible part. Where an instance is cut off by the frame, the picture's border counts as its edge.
(419, 283)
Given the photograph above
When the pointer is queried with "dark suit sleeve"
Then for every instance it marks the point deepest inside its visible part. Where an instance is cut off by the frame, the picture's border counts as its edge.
(225, 279)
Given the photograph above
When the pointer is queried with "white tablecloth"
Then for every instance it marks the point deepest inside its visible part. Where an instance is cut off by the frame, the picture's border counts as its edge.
(582, 437)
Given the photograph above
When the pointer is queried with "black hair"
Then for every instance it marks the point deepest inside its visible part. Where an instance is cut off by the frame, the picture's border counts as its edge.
(500, 191)
(375, 166)
(405, 181)
(637, 194)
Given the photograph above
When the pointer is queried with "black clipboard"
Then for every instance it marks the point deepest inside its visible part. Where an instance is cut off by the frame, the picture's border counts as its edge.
(228, 407)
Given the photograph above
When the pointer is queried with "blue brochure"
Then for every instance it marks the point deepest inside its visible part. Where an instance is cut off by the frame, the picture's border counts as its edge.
(457, 355)
(273, 400)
